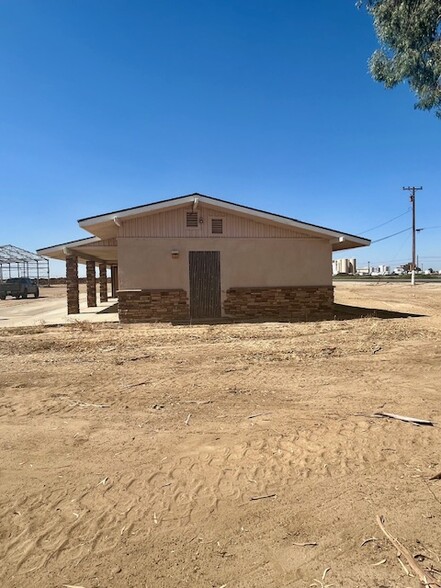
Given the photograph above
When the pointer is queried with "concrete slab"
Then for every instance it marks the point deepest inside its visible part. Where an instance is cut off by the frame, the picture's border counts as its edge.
(51, 310)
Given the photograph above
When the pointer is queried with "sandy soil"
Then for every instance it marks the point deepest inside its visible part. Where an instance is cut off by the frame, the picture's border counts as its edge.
(206, 456)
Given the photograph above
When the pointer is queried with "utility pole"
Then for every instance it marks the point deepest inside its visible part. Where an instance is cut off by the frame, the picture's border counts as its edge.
(413, 191)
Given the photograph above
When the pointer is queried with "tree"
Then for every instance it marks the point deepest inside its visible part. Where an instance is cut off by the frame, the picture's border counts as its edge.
(409, 32)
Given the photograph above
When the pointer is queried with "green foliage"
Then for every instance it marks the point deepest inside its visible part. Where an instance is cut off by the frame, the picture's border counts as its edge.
(410, 35)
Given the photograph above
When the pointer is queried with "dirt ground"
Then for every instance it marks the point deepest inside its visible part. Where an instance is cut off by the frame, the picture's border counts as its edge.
(233, 456)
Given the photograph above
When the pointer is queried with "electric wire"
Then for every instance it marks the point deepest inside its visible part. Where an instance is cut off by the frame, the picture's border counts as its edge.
(386, 222)
(390, 236)
(399, 250)
(398, 232)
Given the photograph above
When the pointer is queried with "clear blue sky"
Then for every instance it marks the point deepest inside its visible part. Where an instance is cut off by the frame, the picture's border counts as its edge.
(106, 104)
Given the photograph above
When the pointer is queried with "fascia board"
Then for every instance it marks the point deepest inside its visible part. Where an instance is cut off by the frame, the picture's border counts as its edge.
(59, 248)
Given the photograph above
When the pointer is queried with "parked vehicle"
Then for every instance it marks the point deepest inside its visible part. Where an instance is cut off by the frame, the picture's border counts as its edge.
(19, 288)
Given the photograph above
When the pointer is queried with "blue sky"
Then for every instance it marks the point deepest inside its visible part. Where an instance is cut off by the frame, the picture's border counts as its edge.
(107, 104)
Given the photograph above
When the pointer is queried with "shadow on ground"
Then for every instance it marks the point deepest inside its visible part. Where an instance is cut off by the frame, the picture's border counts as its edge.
(346, 312)
(342, 312)
(113, 309)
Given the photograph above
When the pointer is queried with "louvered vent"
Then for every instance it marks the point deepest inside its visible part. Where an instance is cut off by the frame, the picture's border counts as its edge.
(192, 219)
(217, 226)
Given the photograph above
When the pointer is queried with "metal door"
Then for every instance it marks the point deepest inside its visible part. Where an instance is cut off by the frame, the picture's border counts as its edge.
(205, 284)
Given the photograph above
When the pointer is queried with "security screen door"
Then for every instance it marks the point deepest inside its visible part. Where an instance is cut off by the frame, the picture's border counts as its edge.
(205, 284)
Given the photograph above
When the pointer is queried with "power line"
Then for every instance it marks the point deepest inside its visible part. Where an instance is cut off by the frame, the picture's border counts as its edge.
(389, 236)
(396, 257)
(386, 223)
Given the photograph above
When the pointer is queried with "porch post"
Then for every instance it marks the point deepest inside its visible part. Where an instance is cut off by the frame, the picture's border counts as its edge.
(103, 282)
(91, 283)
(114, 280)
(73, 293)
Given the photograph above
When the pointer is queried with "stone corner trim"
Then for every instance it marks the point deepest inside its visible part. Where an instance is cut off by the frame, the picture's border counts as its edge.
(73, 294)
(91, 283)
(140, 306)
(297, 303)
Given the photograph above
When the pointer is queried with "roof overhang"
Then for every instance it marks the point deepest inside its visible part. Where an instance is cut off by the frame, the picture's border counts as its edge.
(349, 242)
(84, 249)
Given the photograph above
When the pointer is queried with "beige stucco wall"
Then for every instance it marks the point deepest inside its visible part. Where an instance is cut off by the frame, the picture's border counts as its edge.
(148, 263)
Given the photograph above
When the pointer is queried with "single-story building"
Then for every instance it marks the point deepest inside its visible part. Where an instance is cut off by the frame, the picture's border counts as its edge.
(199, 257)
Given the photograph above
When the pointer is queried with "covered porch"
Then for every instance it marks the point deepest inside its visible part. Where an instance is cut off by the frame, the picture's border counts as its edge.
(99, 256)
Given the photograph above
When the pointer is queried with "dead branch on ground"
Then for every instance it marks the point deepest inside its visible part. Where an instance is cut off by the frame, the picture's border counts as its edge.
(425, 578)
(406, 419)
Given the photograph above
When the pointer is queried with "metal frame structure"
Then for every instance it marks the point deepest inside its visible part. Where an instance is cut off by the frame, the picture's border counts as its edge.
(19, 263)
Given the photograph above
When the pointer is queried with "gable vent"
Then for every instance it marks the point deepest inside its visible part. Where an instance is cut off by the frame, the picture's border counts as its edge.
(217, 226)
(192, 219)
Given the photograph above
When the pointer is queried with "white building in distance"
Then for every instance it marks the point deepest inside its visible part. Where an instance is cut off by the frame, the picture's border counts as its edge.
(344, 266)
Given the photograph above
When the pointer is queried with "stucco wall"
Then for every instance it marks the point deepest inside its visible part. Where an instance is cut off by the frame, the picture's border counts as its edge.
(148, 263)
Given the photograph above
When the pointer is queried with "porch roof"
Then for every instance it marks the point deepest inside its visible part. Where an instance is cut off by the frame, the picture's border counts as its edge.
(91, 248)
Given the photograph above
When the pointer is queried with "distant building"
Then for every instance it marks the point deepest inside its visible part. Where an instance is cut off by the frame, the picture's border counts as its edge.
(364, 271)
(344, 266)
(400, 270)
(380, 270)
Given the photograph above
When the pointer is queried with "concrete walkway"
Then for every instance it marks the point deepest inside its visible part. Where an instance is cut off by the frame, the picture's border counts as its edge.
(53, 311)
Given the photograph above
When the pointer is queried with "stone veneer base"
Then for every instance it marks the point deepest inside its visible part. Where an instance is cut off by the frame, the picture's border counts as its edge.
(298, 303)
(140, 306)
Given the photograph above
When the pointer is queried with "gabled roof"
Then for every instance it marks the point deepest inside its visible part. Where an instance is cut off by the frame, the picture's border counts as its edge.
(104, 224)
(13, 254)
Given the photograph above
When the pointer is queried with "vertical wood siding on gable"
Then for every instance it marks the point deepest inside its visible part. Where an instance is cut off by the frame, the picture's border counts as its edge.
(172, 223)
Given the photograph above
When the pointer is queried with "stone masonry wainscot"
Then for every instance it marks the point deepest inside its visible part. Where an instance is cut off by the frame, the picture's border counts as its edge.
(298, 303)
(139, 306)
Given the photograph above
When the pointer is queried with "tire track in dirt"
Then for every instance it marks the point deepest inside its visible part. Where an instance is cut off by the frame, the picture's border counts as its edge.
(66, 523)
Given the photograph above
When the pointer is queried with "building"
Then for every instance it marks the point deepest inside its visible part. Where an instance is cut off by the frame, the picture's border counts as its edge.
(196, 257)
(364, 271)
(383, 269)
(344, 266)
